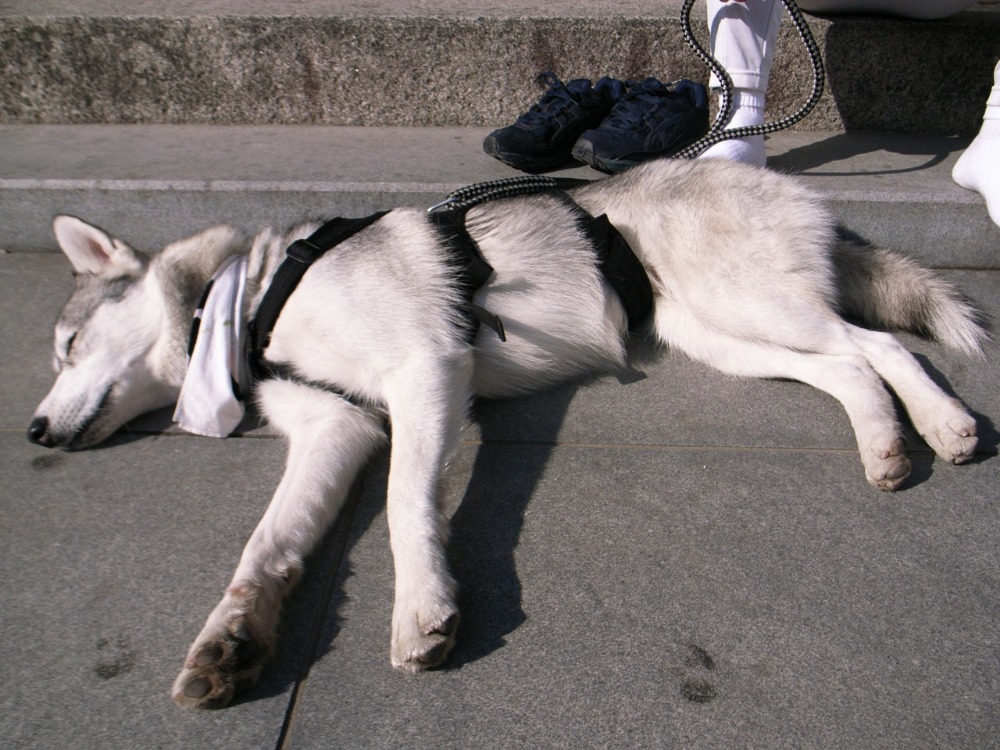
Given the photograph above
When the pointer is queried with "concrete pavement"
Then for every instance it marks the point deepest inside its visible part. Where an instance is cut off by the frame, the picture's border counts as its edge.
(683, 560)
(673, 559)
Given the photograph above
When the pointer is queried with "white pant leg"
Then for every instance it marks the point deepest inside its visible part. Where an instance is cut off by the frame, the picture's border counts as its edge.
(743, 37)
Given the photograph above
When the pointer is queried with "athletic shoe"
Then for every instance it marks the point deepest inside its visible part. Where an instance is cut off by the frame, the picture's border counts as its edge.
(543, 137)
(653, 119)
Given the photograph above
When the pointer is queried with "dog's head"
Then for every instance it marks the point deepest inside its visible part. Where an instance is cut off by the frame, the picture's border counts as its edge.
(120, 341)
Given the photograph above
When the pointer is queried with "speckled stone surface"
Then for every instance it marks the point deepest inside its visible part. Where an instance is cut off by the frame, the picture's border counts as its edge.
(428, 65)
(680, 560)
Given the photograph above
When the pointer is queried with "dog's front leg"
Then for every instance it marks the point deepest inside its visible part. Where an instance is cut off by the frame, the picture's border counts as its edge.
(427, 408)
(329, 441)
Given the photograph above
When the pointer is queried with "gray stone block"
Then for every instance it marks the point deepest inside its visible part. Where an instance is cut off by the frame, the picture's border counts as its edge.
(615, 597)
(154, 184)
(437, 65)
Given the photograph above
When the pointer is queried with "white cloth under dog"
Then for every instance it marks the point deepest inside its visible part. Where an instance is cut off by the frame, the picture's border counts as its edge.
(216, 381)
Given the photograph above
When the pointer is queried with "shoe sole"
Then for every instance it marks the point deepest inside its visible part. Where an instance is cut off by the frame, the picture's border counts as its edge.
(522, 162)
(584, 151)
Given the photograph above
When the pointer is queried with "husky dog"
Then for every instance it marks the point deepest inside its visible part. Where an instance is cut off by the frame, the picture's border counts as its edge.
(748, 272)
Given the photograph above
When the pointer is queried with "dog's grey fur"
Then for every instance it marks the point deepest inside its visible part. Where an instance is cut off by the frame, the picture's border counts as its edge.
(748, 272)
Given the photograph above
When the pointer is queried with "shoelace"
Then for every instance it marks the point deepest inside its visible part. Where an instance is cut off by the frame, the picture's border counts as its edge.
(641, 101)
(552, 104)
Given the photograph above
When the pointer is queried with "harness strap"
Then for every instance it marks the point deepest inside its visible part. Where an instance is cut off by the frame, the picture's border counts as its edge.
(617, 262)
(298, 257)
(615, 257)
(471, 272)
(621, 268)
(472, 269)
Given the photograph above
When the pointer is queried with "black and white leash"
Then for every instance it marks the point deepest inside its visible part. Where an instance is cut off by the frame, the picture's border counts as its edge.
(472, 195)
(718, 132)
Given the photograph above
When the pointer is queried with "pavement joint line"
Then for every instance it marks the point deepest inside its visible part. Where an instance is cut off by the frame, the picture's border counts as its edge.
(110, 184)
(334, 571)
(576, 444)
(288, 186)
(688, 448)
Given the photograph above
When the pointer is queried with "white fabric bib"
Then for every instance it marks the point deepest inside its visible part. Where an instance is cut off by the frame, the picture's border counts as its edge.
(217, 370)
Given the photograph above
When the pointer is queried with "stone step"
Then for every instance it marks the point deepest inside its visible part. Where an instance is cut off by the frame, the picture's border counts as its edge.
(441, 63)
(151, 184)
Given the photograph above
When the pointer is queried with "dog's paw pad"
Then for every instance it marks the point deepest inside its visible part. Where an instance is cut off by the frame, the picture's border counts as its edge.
(210, 653)
(889, 467)
(433, 654)
(197, 688)
(203, 688)
(425, 647)
(954, 440)
(216, 670)
(446, 626)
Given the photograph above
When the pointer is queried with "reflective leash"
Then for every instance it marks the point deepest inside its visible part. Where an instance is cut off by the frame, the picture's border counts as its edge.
(718, 132)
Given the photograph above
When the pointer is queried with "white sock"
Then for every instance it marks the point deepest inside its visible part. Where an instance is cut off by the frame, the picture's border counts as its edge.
(748, 109)
(978, 168)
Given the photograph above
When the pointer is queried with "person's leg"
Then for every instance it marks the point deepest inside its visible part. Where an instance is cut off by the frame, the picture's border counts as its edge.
(978, 168)
(743, 37)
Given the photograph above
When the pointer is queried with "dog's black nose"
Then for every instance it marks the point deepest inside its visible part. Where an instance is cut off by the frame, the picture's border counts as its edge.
(38, 431)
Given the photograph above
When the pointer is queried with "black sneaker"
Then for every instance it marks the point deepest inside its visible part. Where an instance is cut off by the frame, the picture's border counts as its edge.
(652, 120)
(543, 137)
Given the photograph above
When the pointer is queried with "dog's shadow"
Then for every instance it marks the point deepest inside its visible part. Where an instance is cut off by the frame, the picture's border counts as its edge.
(485, 532)
(487, 525)
(517, 441)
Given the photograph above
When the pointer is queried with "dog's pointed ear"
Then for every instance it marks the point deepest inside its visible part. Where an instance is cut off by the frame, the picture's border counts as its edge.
(93, 251)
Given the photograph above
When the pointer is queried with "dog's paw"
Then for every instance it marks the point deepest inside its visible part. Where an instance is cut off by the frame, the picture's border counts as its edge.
(220, 666)
(421, 642)
(954, 437)
(887, 467)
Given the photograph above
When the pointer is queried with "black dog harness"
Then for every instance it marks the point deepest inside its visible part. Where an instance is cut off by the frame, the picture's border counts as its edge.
(298, 257)
(615, 259)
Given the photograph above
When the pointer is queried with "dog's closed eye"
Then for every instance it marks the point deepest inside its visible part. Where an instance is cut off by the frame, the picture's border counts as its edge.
(61, 358)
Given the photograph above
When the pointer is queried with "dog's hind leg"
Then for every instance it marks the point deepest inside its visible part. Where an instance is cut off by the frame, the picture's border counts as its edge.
(329, 442)
(427, 404)
(939, 418)
(847, 377)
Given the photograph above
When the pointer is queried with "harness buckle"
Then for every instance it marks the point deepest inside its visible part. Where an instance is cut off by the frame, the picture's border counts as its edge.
(303, 251)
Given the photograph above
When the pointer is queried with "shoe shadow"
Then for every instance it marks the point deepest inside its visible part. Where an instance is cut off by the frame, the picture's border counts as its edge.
(843, 146)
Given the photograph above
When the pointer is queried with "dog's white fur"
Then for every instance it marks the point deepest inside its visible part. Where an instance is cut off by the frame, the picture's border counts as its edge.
(748, 273)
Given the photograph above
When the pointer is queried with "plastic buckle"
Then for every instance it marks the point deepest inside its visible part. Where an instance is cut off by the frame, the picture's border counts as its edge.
(303, 251)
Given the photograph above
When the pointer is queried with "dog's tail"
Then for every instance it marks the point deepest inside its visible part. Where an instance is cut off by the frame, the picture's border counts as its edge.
(887, 289)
